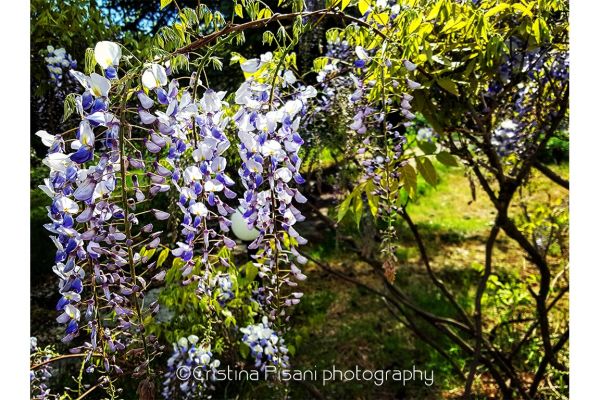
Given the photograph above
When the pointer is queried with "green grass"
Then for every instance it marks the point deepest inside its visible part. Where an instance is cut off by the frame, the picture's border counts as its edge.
(449, 206)
(346, 326)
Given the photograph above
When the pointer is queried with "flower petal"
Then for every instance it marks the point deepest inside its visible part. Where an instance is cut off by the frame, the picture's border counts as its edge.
(107, 54)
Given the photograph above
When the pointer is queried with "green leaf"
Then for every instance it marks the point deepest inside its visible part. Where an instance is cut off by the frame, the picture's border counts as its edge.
(537, 34)
(434, 11)
(244, 350)
(344, 4)
(447, 159)
(180, 29)
(453, 26)
(265, 13)
(216, 63)
(164, 3)
(495, 10)
(251, 271)
(344, 207)
(69, 106)
(291, 349)
(427, 147)
(363, 6)
(238, 10)
(539, 30)
(523, 9)
(409, 177)
(427, 170)
(382, 18)
(149, 253)
(358, 209)
(414, 25)
(319, 63)
(372, 199)
(162, 257)
(448, 85)
(268, 37)
(177, 263)
(90, 61)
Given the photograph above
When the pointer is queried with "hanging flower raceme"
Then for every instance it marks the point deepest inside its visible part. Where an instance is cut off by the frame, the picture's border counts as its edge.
(94, 223)
(220, 287)
(79, 198)
(332, 85)
(205, 181)
(505, 138)
(382, 143)
(544, 69)
(269, 146)
(190, 370)
(61, 186)
(197, 143)
(381, 139)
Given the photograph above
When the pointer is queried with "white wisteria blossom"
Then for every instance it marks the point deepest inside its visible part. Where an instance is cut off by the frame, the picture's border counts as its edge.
(107, 54)
(47, 139)
(154, 77)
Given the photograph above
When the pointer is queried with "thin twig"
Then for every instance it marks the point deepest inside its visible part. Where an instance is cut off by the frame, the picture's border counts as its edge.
(62, 357)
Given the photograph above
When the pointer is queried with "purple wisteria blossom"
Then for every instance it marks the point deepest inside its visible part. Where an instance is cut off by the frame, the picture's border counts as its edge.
(193, 133)
(93, 222)
(39, 378)
(269, 146)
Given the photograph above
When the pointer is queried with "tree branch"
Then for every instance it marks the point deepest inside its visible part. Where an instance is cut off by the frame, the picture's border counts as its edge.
(489, 248)
(553, 176)
(261, 23)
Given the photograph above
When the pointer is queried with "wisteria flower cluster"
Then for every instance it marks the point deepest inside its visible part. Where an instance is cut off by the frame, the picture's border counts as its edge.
(381, 111)
(268, 124)
(105, 173)
(265, 345)
(382, 143)
(426, 134)
(194, 135)
(59, 62)
(191, 136)
(206, 215)
(39, 378)
(93, 222)
(269, 145)
(505, 138)
(333, 84)
(331, 77)
(225, 288)
(540, 66)
(197, 360)
(219, 286)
